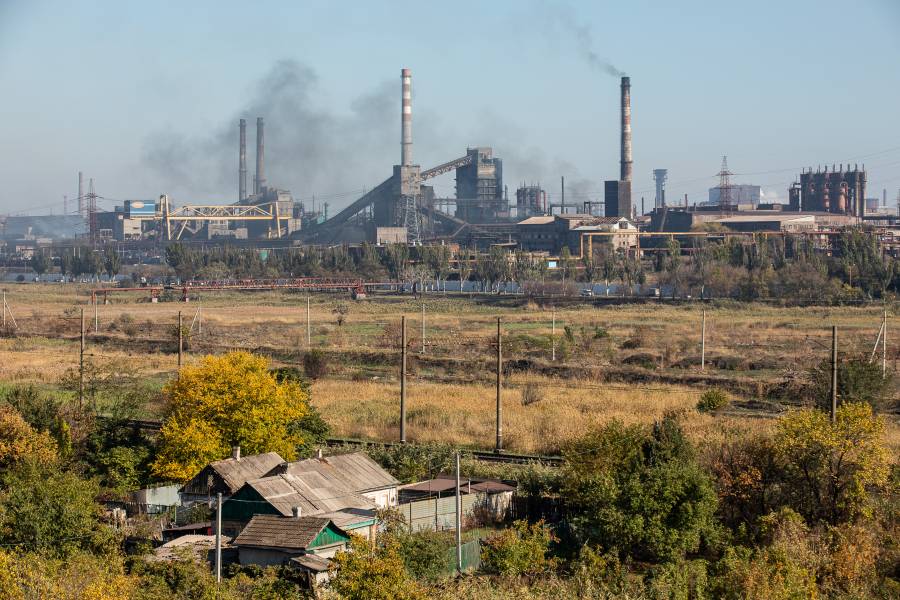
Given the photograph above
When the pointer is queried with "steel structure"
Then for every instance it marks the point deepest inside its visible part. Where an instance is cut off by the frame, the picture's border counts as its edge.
(194, 214)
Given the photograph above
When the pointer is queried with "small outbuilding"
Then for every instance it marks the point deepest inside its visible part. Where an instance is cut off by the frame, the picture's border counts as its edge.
(272, 540)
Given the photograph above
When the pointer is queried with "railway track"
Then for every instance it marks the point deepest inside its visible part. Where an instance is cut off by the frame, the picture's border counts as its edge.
(483, 455)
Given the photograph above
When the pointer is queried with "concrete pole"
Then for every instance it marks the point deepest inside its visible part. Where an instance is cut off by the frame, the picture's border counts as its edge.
(834, 374)
(403, 379)
(96, 316)
(423, 326)
(703, 343)
(219, 538)
(308, 326)
(81, 366)
(553, 333)
(4, 311)
(499, 447)
(458, 520)
(180, 340)
(884, 347)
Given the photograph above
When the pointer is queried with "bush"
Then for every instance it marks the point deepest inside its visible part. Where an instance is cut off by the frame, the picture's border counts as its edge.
(712, 400)
(425, 553)
(531, 394)
(519, 550)
(315, 364)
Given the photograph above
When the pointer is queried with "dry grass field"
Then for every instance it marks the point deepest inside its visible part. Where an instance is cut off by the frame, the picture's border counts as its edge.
(450, 395)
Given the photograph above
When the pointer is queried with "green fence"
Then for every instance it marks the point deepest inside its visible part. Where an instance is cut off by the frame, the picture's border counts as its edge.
(471, 557)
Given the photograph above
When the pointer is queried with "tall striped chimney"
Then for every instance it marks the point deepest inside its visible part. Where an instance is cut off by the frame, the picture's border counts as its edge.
(625, 174)
(242, 162)
(260, 184)
(406, 119)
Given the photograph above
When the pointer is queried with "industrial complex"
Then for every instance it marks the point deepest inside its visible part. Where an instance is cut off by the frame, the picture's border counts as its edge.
(404, 208)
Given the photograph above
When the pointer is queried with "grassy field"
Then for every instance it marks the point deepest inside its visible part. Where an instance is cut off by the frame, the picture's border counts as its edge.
(627, 361)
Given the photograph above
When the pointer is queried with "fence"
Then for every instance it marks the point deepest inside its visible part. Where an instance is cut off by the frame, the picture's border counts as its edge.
(437, 514)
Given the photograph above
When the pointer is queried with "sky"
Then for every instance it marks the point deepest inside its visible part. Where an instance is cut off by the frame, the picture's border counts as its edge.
(145, 97)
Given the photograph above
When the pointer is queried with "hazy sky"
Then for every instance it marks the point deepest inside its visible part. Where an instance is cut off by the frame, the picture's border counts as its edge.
(145, 96)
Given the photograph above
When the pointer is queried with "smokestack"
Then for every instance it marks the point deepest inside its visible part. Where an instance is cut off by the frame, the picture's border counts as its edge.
(80, 194)
(260, 184)
(406, 119)
(625, 174)
(242, 162)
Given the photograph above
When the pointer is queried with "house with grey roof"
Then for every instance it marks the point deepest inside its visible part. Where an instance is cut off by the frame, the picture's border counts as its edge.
(304, 543)
(308, 494)
(354, 471)
(227, 476)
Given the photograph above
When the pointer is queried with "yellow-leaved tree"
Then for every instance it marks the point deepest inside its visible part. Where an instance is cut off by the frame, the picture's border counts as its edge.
(224, 401)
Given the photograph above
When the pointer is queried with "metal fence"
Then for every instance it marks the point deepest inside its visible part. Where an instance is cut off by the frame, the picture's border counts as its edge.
(436, 514)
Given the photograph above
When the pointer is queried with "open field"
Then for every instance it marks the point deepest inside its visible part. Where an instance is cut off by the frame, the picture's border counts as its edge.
(625, 361)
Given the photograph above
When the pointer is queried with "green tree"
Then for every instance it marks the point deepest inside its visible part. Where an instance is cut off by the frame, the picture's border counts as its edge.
(224, 401)
(519, 550)
(366, 572)
(40, 263)
(111, 261)
(639, 493)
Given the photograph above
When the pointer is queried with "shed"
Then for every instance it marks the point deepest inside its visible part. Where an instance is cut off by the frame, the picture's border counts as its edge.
(272, 540)
(227, 476)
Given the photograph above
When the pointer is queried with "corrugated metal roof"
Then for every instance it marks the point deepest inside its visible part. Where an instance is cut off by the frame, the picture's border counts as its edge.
(238, 471)
(354, 471)
(272, 531)
(312, 493)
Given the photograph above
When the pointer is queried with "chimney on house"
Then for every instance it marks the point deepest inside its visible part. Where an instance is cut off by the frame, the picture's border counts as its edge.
(296, 512)
(236, 452)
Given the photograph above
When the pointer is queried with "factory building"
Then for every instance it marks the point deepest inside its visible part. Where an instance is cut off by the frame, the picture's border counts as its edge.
(479, 188)
(549, 233)
(835, 191)
(531, 200)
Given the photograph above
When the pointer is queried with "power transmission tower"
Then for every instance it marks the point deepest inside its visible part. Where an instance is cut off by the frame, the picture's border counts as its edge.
(411, 220)
(726, 200)
(92, 211)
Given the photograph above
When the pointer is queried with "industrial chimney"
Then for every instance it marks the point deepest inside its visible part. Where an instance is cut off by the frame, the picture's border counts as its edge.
(406, 119)
(242, 163)
(625, 174)
(259, 185)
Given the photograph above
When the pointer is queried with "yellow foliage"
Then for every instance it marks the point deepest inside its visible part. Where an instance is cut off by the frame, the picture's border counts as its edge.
(19, 442)
(831, 467)
(80, 577)
(228, 400)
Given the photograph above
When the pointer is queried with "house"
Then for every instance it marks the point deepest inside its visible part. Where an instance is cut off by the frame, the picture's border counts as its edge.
(301, 542)
(354, 471)
(227, 476)
(550, 233)
(310, 495)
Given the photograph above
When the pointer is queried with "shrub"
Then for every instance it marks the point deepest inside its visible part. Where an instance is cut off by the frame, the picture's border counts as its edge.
(531, 394)
(425, 553)
(365, 572)
(520, 550)
(315, 364)
(712, 400)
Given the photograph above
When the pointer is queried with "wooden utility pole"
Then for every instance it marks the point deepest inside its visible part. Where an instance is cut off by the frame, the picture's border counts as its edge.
(219, 538)
(180, 340)
(403, 379)
(499, 447)
(81, 366)
(834, 374)
(308, 326)
(703, 343)
(458, 520)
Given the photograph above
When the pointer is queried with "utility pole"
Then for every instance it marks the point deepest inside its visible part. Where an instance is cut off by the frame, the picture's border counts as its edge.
(96, 316)
(180, 340)
(403, 379)
(219, 538)
(458, 520)
(308, 326)
(423, 323)
(81, 366)
(499, 447)
(834, 374)
(703, 343)
(553, 333)
(884, 347)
